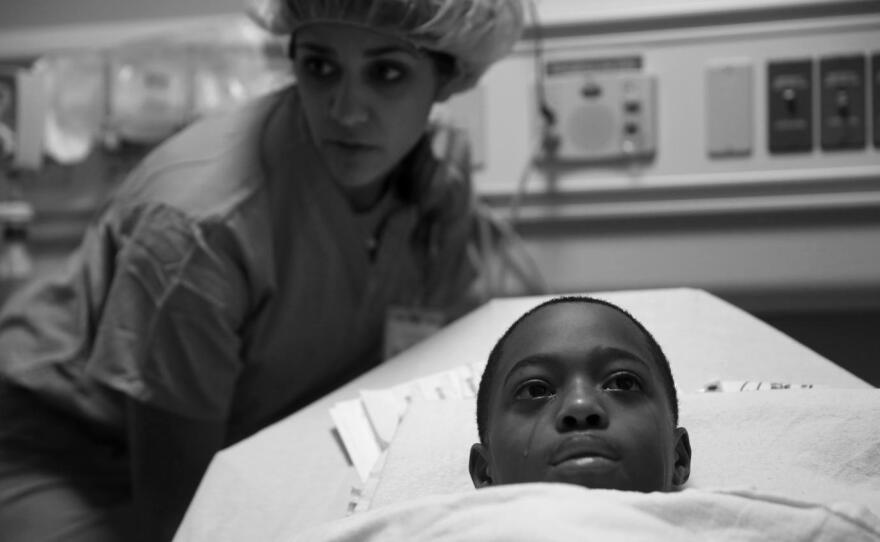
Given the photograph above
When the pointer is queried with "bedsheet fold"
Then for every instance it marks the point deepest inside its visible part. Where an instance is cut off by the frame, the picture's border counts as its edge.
(553, 512)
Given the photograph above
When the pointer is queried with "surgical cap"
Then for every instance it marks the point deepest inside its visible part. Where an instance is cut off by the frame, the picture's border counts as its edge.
(475, 33)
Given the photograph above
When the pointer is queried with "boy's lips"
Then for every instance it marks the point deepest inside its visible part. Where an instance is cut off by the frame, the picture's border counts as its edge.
(581, 448)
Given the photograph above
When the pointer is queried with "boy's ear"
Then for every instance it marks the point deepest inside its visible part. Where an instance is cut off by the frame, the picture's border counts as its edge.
(479, 466)
(682, 468)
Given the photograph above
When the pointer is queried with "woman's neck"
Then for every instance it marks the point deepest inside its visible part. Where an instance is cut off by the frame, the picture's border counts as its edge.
(363, 198)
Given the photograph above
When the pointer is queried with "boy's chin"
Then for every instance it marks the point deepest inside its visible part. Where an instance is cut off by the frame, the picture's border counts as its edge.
(594, 481)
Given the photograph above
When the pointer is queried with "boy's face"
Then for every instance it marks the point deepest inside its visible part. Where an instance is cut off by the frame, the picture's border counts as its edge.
(579, 398)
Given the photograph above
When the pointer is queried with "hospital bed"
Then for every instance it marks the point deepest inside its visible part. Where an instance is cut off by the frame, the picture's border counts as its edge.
(295, 474)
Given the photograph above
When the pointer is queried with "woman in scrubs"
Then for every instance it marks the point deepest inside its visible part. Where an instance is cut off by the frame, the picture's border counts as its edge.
(244, 269)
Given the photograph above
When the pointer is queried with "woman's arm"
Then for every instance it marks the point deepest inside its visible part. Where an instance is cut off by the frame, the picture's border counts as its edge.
(167, 339)
(169, 455)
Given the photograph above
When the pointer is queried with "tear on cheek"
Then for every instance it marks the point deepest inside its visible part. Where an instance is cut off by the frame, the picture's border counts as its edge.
(530, 443)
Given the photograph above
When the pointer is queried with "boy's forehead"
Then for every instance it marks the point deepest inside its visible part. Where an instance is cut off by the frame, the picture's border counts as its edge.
(573, 325)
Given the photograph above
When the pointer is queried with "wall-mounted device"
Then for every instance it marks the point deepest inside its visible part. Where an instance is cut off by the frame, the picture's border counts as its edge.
(875, 92)
(604, 116)
(842, 89)
(790, 106)
(22, 107)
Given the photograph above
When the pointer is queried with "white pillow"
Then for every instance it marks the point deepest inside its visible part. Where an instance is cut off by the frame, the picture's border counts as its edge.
(815, 445)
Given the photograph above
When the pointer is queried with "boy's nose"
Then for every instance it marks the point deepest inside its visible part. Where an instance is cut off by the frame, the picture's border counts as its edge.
(348, 106)
(581, 409)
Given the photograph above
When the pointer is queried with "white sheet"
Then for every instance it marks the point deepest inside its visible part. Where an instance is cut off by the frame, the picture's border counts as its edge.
(295, 470)
(554, 512)
(814, 445)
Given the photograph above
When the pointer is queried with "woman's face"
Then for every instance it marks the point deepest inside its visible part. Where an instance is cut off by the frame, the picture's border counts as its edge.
(366, 97)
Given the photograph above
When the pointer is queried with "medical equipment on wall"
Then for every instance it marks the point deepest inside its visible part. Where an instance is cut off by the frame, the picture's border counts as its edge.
(15, 260)
(106, 108)
(604, 116)
(149, 93)
(21, 108)
(141, 92)
(74, 114)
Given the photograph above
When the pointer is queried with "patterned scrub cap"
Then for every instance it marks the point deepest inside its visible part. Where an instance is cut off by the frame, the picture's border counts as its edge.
(476, 33)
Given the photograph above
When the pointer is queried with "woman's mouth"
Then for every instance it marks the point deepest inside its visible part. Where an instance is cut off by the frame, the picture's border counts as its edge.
(350, 145)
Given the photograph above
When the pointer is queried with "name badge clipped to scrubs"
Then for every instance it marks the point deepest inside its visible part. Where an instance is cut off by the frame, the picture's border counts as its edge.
(406, 326)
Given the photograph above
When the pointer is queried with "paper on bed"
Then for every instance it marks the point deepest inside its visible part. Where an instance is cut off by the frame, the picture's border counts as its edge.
(815, 445)
(354, 429)
(367, 424)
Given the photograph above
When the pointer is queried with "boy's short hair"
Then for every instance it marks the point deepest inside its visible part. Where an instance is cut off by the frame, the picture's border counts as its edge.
(488, 378)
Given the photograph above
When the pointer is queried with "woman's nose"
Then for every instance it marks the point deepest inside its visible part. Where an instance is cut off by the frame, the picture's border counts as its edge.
(348, 106)
(581, 409)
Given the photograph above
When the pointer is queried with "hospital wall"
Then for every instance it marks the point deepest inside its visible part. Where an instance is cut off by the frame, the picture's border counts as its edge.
(716, 196)
(682, 189)
(43, 14)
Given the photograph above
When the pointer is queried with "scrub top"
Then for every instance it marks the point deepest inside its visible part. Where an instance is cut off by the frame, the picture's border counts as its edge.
(228, 279)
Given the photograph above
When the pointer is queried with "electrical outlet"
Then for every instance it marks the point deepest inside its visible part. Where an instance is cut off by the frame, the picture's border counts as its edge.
(790, 106)
(842, 88)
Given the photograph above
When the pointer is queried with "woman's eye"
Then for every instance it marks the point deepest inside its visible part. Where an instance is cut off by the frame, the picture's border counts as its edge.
(387, 72)
(623, 382)
(318, 67)
(534, 389)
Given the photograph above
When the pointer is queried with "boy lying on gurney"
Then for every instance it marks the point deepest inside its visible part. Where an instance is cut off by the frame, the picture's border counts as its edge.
(578, 391)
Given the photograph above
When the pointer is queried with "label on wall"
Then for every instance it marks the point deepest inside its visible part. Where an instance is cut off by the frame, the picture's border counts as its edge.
(579, 65)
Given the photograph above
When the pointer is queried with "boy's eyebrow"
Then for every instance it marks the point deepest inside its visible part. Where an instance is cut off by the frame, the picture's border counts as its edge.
(599, 353)
(534, 359)
(376, 51)
(607, 353)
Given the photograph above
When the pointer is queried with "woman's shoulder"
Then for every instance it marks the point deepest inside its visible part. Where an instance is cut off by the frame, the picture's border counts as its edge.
(210, 169)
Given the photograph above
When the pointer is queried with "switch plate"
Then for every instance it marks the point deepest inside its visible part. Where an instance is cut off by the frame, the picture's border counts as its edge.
(729, 108)
(604, 116)
(843, 99)
(790, 106)
(875, 86)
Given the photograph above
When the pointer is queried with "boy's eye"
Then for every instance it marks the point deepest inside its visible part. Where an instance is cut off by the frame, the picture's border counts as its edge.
(534, 389)
(623, 382)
